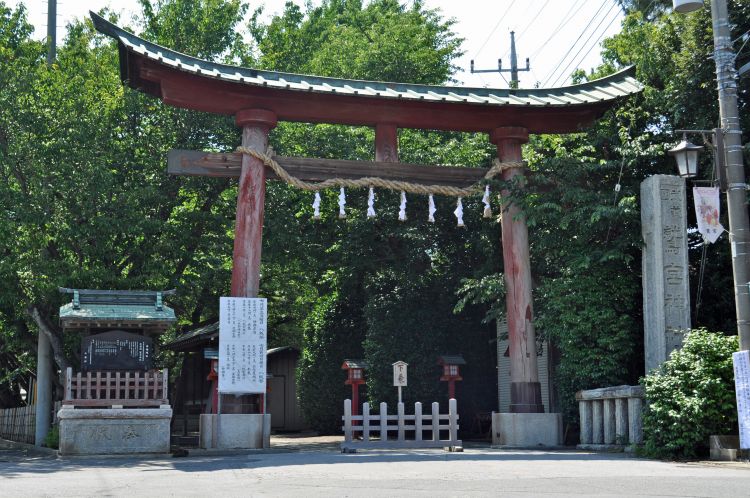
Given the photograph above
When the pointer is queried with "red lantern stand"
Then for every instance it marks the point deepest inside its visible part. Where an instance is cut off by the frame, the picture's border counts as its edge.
(451, 373)
(355, 377)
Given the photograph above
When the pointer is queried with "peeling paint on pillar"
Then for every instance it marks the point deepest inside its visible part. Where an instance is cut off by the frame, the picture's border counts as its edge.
(251, 195)
(524, 376)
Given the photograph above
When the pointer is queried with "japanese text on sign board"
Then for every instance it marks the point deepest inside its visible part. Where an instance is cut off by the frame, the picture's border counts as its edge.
(242, 345)
(742, 388)
(399, 374)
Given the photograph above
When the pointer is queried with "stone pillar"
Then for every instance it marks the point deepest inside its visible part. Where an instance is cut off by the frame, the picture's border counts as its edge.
(43, 388)
(666, 290)
(597, 418)
(587, 426)
(251, 194)
(609, 421)
(635, 424)
(621, 420)
(525, 390)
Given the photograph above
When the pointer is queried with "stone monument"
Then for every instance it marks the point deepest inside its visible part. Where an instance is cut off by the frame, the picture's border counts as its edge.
(666, 289)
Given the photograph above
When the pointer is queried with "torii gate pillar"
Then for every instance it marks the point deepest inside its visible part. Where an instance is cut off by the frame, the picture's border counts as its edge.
(251, 197)
(525, 390)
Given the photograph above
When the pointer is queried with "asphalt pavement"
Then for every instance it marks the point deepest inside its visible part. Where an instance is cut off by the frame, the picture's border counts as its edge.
(319, 469)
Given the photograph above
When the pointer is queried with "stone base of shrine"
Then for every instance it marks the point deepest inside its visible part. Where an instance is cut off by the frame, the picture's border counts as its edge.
(108, 431)
(527, 430)
(235, 431)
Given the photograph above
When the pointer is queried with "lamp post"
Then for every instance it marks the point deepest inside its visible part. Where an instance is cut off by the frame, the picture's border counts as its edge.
(739, 226)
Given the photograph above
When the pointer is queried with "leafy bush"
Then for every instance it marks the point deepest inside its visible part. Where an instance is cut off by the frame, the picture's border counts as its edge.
(52, 440)
(691, 397)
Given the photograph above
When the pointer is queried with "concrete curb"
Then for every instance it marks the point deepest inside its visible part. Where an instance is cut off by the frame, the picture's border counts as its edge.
(5, 444)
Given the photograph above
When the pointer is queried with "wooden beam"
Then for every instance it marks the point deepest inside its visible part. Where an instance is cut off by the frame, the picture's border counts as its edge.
(228, 165)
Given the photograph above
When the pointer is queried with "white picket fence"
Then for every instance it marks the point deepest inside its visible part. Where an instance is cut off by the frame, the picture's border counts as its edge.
(366, 424)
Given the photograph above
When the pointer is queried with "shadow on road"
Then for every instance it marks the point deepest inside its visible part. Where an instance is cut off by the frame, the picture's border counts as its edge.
(293, 457)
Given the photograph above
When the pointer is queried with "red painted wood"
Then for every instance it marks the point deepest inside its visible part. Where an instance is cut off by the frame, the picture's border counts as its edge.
(515, 239)
(202, 93)
(386, 143)
(248, 232)
(452, 389)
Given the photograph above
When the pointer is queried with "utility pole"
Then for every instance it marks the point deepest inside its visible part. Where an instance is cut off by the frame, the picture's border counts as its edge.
(739, 233)
(513, 64)
(43, 349)
(736, 187)
(51, 31)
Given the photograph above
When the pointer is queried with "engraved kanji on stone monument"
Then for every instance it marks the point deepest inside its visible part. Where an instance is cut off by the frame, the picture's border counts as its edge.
(666, 291)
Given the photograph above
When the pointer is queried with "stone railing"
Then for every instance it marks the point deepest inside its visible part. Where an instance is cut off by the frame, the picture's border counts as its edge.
(611, 417)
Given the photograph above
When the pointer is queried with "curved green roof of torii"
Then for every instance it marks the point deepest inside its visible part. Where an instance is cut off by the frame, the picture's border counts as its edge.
(189, 82)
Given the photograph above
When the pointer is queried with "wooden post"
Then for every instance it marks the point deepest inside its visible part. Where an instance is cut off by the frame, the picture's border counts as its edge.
(348, 420)
(453, 419)
(417, 421)
(366, 422)
(451, 389)
(251, 194)
(401, 422)
(525, 390)
(383, 422)
(435, 421)
(386, 143)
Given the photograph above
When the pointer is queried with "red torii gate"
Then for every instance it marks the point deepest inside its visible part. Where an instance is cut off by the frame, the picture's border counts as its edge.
(258, 99)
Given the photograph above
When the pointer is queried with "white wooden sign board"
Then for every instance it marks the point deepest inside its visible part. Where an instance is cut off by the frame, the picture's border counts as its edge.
(242, 345)
(399, 374)
(741, 362)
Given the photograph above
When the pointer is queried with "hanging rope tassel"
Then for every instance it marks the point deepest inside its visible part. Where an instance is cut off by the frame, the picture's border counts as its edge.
(486, 201)
(316, 206)
(459, 212)
(431, 209)
(371, 204)
(342, 203)
(402, 207)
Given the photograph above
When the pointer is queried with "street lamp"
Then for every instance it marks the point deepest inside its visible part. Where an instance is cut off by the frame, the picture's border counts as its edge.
(686, 155)
(736, 186)
(685, 6)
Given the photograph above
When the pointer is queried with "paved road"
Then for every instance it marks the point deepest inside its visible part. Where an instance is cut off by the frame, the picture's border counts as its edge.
(325, 472)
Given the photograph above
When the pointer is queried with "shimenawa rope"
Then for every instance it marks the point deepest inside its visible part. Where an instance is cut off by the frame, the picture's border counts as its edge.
(373, 181)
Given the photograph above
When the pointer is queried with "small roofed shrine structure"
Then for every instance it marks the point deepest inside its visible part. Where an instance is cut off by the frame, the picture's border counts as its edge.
(117, 402)
(259, 99)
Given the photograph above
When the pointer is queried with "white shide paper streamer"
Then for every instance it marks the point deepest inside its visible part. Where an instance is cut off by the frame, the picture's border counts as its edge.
(402, 207)
(342, 203)
(459, 212)
(316, 206)
(431, 210)
(371, 204)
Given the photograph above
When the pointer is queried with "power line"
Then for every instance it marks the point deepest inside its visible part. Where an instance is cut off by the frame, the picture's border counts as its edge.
(495, 28)
(614, 8)
(562, 60)
(564, 21)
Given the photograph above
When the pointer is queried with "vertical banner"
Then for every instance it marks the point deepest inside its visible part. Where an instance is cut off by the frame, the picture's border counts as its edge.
(242, 345)
(707, 206)
(741, 362)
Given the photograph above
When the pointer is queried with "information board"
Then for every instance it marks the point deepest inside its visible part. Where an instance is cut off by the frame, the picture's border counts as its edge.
(242, 345)
(116, 350)
(742, 388)
(399, 373)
